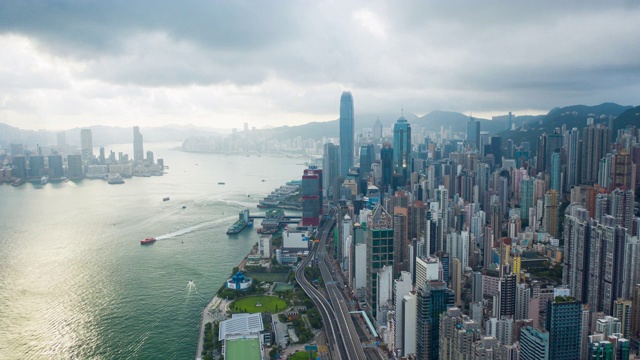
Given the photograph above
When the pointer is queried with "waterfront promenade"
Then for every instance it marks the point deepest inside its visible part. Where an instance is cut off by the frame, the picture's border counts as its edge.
(216, 310)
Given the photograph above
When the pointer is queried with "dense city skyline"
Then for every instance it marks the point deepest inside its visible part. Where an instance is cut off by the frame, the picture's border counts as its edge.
(222, 64)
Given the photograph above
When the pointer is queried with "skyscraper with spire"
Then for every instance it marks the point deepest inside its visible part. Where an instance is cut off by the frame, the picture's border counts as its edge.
(402, 146)
(346, 132)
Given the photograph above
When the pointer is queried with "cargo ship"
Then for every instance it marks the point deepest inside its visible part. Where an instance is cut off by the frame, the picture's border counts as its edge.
(147, 241)
(114, 179)
(243, 221)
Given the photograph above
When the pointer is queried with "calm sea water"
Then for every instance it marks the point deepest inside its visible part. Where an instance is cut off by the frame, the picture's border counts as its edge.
(75, 283)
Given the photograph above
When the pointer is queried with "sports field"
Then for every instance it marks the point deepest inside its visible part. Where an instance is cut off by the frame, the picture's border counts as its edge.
(257, 304)
(241, 349)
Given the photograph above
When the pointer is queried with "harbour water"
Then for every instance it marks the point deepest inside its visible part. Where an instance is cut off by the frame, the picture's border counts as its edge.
(75, 281)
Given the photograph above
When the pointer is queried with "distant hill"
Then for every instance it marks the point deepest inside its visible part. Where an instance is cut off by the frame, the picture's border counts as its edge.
(571, 116)
(631, 117)
(102, 135)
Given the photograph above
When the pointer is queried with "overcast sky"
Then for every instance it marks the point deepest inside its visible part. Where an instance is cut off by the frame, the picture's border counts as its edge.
(222, 63)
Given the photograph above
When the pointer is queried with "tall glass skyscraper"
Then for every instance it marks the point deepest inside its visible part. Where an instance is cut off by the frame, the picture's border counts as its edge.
(346, 132)
(138, 149)
(402, 146)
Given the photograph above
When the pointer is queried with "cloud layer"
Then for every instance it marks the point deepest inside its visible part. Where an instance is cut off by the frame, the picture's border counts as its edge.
(223, 63)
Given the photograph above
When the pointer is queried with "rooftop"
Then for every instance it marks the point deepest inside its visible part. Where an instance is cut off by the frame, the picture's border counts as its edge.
(247, 348)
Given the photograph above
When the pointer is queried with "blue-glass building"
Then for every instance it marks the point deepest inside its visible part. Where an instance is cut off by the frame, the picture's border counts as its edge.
(386, 162)
(402, 147)
(534, 344)
(564, 324)
(346, 133)
(433, 299)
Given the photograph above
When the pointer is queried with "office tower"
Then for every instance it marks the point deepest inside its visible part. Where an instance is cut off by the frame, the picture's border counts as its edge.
(311, 199)
(408, 312)
(346, 133)
(367, 157)
(573, 159)
(553, 144)
(74, 167)
(476, 287)
(564, 324)
(330, 169)
(635, 315)
(55, 166)
(19, 164)
(496, 150)
(402, 147)
(596, 142)
(138, 148)
(433, 299)
(456, 280)
(402, 287)
(622, 207)
(526, 198)
(507, 289)
(86, 144)
(473, 133)
(386, 162)
(400, 243)
(101, 157)
(556, 171)
(379, 251)
(534, 344)
(150, 158)
(36, 166)
(482, 180)
(377, 130)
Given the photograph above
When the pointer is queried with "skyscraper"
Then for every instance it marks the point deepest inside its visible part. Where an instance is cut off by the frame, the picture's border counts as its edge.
(346, 132)
(402, 147)
(138, 149)
(311, 196)
(379, 251)
(330, 169)
(433, 299)
(573, 159)
(596, 142)
(564, 324)
(473, 133)
(534, 344)
(386, 162)
(367, 157)
(86, 143)
(556, 171)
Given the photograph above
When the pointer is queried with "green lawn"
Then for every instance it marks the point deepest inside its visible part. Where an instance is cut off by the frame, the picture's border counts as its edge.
(270, 304)
(303, 355)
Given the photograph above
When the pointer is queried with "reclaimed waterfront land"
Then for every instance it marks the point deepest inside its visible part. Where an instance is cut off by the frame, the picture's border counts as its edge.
(270, 304)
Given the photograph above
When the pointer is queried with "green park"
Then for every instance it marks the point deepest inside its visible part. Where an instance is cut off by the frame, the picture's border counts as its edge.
(256, 304)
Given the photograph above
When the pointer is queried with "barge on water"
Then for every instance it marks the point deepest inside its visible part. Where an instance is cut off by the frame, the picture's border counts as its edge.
(243, 222)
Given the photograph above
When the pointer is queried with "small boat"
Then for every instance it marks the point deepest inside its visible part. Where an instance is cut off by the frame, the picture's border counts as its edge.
(263, 180)
(165, 199)
(221, 183)
(44, 180)
(147, 241)
(184, 206)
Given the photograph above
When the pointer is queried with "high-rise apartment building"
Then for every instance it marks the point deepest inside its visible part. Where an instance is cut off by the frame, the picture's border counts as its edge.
(346, 132)
(86, 144)
(596, 142)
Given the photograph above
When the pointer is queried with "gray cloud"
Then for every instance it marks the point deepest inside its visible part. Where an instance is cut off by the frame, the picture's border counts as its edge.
(289, 58)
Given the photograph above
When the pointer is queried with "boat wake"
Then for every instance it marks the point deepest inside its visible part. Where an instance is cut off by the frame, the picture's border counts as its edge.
(186, 230)
(192, 228)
